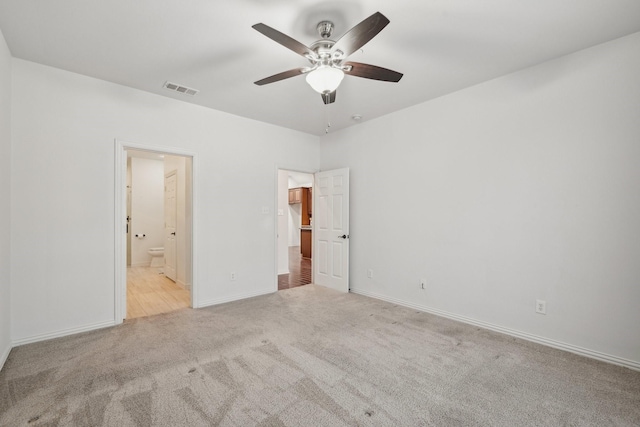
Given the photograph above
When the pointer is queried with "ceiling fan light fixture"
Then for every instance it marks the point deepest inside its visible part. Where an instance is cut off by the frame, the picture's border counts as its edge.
(325, 79)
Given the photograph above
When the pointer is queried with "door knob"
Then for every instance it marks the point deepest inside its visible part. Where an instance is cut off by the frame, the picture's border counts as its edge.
(344, 236)
(173, 234)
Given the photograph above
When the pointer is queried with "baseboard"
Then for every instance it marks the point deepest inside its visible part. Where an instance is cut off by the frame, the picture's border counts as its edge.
(216, 301)
(4, 356)
(140, 264)
(631, 364)
(62, 333)
(184, 285)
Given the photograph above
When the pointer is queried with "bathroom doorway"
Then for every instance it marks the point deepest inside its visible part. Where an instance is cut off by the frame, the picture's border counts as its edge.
(158, 273)
(295, 228)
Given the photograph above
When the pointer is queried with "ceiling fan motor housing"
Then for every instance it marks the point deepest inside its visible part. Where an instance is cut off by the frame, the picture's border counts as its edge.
(323, 47)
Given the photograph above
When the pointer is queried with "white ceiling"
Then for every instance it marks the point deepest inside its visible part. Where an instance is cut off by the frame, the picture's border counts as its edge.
(441, 46)
(300, 179)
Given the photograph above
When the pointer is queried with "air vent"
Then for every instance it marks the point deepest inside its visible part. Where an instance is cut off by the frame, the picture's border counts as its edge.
(179, 88)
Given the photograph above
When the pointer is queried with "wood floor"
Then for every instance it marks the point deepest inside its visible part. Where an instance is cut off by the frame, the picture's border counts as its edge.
(299, 270)
(149, 293)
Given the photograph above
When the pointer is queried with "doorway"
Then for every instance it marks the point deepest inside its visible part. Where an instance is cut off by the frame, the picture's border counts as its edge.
(154, 251)
(295, 229)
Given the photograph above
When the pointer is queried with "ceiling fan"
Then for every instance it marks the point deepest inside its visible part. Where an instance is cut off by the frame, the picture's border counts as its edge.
(327, 57)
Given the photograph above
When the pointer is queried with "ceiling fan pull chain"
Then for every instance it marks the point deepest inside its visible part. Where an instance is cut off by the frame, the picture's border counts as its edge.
(326, 130)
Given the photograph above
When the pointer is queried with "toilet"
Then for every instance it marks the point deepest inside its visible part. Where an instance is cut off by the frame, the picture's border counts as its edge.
(157, 257)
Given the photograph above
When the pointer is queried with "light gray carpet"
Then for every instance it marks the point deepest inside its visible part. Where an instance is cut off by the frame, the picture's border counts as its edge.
(308, 356)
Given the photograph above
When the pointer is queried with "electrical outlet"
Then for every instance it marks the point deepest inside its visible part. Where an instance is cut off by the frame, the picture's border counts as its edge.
(423, 283)
(233, 275)
(370, 274)
(541, 306)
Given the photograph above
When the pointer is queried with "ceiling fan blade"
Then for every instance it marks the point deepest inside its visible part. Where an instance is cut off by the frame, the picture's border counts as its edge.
(280, 76)
(285, 40)
(329, 97)
(372, 72)
(359, 35)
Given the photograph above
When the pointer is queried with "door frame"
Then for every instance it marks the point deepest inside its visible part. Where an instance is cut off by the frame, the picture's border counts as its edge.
(275, 219)
(120, 214)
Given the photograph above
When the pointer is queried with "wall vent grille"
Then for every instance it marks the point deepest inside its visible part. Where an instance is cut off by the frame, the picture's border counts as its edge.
(179, 88)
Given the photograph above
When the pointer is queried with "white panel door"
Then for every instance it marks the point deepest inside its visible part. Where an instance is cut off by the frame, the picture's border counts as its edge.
(331, 229)
(170, 220)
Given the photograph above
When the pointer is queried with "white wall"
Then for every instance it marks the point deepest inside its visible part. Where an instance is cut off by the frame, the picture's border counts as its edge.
(295, 220)
(147, 208)
(283, 220)
(522, 188)
(63, 229)
(5, 197)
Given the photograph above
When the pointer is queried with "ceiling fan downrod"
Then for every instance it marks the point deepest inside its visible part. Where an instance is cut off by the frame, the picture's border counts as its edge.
(325, 28)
